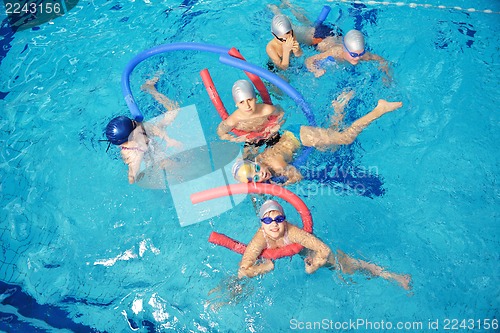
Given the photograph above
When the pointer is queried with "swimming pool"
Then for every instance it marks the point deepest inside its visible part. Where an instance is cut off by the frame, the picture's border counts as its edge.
(87, 251)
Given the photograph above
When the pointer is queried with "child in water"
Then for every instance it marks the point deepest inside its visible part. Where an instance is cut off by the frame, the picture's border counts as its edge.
(288, 38)
(134, 137)
(284, 43)
(276, 232)
(275, 160)
(352, 50)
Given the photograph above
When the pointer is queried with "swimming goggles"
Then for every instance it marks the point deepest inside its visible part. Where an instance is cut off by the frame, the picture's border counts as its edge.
(353, 54)
(277, 219)
(256, 177)
(282, 39)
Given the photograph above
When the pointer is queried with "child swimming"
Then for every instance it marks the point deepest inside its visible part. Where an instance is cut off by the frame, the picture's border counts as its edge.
(275, 232)
(134, 137)
(352, 50)
(274, 161)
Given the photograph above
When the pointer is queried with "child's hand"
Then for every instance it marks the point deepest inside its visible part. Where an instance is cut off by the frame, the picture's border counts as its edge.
(288, 45)
(241, 138)
(297, 51)
(174, 143)
(312, 264)
(267, 265)
(310, 268)
(319, 72)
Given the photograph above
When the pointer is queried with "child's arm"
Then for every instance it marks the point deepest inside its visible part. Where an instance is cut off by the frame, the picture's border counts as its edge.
(292, 175)
(248, 266)
(132, 157)
(383, 64)
(281, 62)
(162, 134)
(307, 240)
(223, 132)
(312, 63)
(297, 51)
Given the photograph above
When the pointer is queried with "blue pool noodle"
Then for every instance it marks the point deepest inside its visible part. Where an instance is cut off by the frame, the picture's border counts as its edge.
(225, 59)
(284, 86)
(127, 93)
(274, 79)
(323, 15)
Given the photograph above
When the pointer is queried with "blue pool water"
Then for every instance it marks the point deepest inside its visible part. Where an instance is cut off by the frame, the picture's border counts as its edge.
(83, 251)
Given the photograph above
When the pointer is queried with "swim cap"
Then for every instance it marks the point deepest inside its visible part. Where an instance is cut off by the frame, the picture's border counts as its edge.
(269, 206)
(280, 25)
(242, 90)
(354, 40)
(119, 129)
(241, 169)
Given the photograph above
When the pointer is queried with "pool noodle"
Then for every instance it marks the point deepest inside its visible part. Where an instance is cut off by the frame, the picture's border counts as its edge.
(274, 79)
(322, 16)
(213, 94)
(125, 82)
(224, 58)
(258, 188)
(257, 82)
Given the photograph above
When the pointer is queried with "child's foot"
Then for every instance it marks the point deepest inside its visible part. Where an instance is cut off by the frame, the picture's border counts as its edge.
(404, 281)
(149, 85)
(384, 106)
(285, 4)
(342, 99)
(274, 9)
(338, 106)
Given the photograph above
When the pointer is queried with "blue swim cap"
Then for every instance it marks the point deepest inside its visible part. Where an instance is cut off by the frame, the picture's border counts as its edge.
(119, 129)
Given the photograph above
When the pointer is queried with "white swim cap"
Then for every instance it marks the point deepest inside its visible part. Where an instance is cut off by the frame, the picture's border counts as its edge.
(280, 25)
(354, 40)
(242, 90)
(269, 206)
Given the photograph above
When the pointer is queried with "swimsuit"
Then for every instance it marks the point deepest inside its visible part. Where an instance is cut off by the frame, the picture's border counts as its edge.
(286, 241)
(269, 142)
(271, 67)
(322, 31)
(133, 148)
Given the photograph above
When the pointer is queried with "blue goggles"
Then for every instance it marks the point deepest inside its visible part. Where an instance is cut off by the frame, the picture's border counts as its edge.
(277, 219)
(353, 54)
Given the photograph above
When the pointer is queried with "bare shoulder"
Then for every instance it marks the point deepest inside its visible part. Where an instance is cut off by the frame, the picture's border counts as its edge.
(298, 235)
(232, 119)
(266, 109)
(256, 245)
(293, 231)
(335, 51)
(372, 56)
(270, 48)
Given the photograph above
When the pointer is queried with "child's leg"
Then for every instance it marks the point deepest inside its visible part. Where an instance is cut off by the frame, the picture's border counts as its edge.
(150, 87)
(321, 137)
(338, 107)
(280, 155)
(350, 265)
